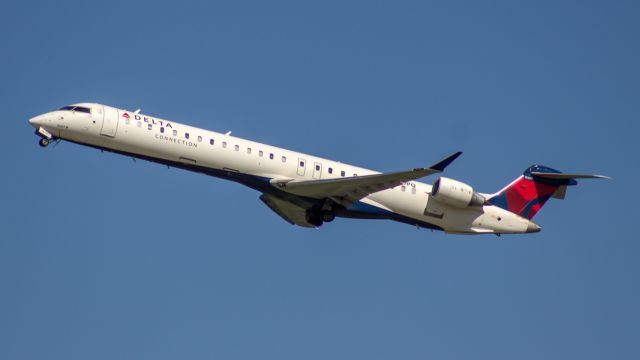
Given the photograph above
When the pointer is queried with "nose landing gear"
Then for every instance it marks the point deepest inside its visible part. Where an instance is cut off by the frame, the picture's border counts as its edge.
(45, 137)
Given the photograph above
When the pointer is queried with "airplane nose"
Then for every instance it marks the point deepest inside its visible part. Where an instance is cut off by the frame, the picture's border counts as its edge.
(37, 121)
(533, 227)
(32, 122)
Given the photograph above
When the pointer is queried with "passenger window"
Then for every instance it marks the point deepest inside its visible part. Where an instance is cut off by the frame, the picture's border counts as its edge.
(413, 190)
(248, 150)
(139, 124)
(301, 163)
(317, 167)
(403, 188)
(330, 170)
(224, 144)
(355, 175)
(284, 159)
(186, 135)
(175, 132)
(271, 156)
(210, 141)
(149, 126)
(342, 173)
(260, 153)
(199, 138)
(162, 130)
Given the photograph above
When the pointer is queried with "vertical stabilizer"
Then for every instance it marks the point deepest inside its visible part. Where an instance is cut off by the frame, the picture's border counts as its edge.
(527, 194)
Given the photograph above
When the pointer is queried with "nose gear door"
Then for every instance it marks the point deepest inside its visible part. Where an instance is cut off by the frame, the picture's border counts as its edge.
(109, 122)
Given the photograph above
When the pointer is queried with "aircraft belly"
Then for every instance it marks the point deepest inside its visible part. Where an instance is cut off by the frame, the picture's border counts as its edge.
(405, 207)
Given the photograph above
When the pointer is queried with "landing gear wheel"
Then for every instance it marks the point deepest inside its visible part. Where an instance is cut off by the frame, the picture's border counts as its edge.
(314, 219)
(317, 222)
(328, 216)
(43, 142)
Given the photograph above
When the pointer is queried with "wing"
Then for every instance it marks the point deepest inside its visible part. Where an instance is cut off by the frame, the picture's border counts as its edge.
(348, 190)
(290, 212)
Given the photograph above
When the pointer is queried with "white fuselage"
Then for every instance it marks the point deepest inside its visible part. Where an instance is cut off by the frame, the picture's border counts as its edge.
(173, 143)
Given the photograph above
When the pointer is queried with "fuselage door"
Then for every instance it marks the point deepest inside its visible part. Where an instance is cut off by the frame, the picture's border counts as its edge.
(301, 166)
(110, 122)
(317, 170)
(97, 116)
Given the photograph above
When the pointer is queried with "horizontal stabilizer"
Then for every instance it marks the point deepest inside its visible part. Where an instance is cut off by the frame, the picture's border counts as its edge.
(560, 176)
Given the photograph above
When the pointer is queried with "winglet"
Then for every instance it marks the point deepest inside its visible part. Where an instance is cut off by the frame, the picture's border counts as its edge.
(444, 163)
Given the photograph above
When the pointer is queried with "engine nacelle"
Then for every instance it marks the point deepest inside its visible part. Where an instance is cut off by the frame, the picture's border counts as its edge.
(455, 193)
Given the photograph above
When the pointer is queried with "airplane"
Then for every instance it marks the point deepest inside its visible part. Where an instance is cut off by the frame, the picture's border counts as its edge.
(307, 190)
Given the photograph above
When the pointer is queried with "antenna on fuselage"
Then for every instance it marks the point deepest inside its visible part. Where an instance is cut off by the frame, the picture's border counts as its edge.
(228, 133)
(137, 111)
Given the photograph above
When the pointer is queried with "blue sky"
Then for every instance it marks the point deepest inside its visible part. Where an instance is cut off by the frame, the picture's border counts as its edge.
(104, 258)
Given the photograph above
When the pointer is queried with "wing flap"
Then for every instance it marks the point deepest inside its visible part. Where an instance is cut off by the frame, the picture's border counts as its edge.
(291, 213)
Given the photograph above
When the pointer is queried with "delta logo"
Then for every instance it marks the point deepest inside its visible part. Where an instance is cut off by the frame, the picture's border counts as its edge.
(148, 120)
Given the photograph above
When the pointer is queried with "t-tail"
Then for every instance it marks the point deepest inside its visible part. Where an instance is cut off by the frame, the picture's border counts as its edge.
(527, 194)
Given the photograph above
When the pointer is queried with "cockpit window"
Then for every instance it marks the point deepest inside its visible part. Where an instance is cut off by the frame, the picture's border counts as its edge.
(81, 109)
